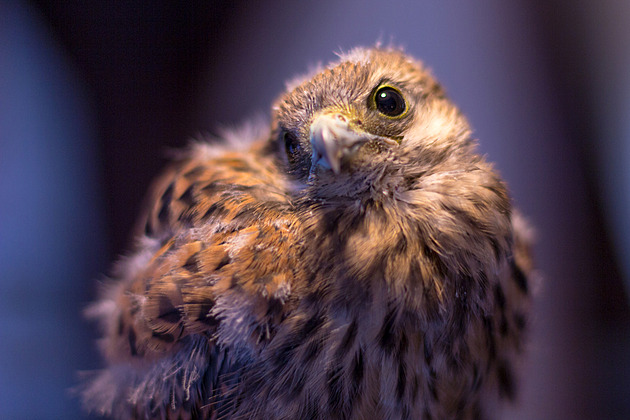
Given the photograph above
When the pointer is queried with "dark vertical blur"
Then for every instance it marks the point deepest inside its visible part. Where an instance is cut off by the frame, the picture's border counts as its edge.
(94, 94)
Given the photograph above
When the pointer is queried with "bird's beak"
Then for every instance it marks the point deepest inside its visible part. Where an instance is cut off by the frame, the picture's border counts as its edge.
(332, 139)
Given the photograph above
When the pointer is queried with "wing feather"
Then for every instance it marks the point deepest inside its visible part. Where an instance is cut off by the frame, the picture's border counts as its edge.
(207, 283)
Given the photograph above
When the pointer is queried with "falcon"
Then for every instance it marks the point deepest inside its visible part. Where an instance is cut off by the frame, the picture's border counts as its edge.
(355, 259)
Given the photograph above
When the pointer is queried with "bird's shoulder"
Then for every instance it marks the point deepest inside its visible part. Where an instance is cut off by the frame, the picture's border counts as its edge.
(212, 274)
(212, 182)
(218, 231)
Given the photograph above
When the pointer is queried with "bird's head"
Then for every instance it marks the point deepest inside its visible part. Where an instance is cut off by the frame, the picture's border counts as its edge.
(370, 123)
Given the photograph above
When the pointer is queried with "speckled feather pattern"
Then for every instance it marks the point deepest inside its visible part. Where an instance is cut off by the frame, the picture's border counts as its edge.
(262, 287)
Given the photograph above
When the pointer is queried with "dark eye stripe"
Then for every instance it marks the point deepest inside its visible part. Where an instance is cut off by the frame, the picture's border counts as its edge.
(291, 147)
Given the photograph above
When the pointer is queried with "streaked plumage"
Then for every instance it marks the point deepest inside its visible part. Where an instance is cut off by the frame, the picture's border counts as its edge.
(356, 260)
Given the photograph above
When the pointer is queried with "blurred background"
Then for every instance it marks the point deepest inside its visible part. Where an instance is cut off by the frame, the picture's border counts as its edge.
(94, 94)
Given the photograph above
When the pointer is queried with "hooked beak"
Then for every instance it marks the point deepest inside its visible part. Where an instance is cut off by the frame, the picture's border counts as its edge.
(332, 139)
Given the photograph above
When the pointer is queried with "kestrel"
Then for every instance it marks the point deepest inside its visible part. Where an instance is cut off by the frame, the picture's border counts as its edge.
(355, 260)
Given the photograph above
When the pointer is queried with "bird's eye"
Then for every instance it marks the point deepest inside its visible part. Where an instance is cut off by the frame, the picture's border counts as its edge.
(291, 147)
(389, 102)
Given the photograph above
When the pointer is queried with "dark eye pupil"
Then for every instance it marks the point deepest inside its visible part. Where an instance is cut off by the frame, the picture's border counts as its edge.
(291, 146)
(389, 102)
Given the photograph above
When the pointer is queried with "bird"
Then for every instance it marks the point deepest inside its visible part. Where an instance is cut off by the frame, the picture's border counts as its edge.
(355, 258)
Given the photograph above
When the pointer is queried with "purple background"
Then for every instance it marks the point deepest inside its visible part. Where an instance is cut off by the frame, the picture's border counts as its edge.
(93, 95)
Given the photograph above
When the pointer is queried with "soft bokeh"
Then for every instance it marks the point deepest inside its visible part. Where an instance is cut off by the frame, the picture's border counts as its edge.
(52, 236)
(93, 96)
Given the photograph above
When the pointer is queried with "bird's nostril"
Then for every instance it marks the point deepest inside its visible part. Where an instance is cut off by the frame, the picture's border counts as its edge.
(341, 117)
